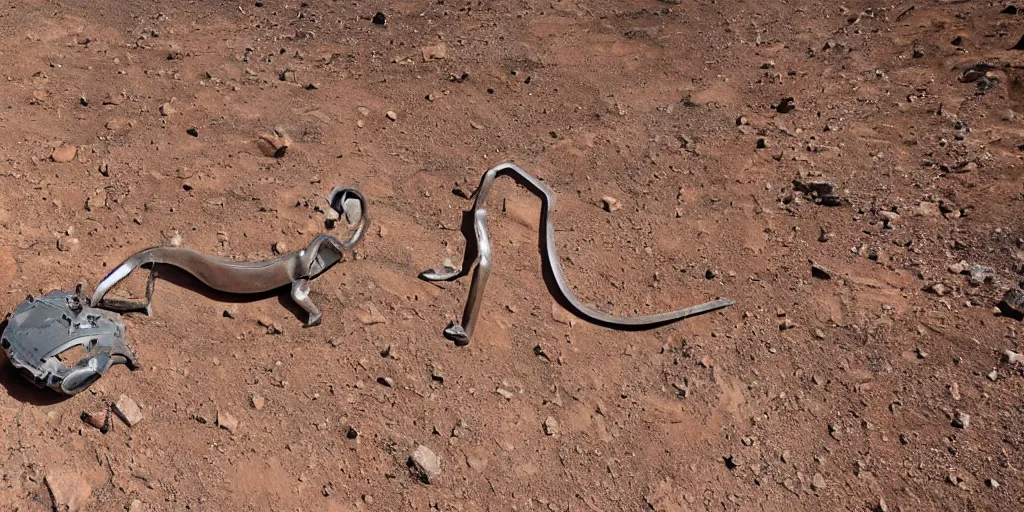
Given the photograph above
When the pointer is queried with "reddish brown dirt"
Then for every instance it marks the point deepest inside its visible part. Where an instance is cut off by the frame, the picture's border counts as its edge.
(808, 394)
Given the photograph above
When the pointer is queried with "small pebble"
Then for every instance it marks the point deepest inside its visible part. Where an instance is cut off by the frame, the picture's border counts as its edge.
(425, 462)
(962, 420)
(226, 421)
(817, 482)
(610, 204)
(390, 114)
(551, 426)
(258, 402)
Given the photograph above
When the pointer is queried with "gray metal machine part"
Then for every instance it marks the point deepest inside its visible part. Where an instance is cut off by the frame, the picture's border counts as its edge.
(41, 329)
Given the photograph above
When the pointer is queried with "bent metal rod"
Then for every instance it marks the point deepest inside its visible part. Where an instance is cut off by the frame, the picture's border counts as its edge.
(478, 254)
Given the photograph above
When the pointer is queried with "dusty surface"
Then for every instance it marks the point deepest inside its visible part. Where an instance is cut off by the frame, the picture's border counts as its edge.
(810, 393)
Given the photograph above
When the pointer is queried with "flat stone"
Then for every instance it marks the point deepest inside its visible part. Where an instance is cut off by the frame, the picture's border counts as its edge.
(64, 154)
(817, 482)
(128, 410)
(371, 316)
(226, 421)
(425, 462)
(69, 490)
(258, 402)
(562, 315)
(434, 52)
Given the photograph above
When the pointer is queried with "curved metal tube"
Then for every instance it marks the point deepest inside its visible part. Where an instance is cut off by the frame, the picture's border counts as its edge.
(221, 274)
(478, 254)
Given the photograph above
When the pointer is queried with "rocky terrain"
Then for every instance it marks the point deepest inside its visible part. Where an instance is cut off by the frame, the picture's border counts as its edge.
(849, 174)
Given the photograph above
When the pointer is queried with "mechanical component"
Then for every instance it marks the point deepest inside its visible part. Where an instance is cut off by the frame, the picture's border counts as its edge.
(295, 269)
(478, 254)
(42, 329)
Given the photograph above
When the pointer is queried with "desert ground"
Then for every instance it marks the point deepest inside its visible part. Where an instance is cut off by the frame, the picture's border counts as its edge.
(848, 173)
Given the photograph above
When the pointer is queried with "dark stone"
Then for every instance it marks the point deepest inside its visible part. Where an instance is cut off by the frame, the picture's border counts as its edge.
(193, 132)
(1019, 45)
(1010, 9)
(820, 272)
(785, 106)
(379, 19)
(1012, 304)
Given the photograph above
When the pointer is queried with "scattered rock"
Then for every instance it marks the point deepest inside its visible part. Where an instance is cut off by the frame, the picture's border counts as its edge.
(274, 144)
(226, 421)
(279, 248)
(1012, 304)
(272, 326)
(113, 99)
(954, 391)
(230, 312)
(551, 426)
(118, 124)
(39, 96)
(979, 275)
(193, 131)
(372, 316)
(1019, 45)
(733, 461)
(128, 410)
(258, 402)
(785, 105)
(379, 19)
(822, 192)
(1012, 357)
(135, 506)
(818, 333)
(959, 267)
(68, 490)
(390, 114)
(993, 375)
(166, 110)
(888, 218)
(817, 482)
(387, 382)
(820, 272)
(992, 483)
(508, 395)
(610, 204)
(962, 420)
(561, 315)
(64, 154)
(435, 52)
(352, 433)
(937, 288)
(426, 464)
(98, 419)
(67, 243)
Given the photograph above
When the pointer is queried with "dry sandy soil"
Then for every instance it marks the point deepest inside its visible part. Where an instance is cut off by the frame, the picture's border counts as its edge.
(848, 393)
